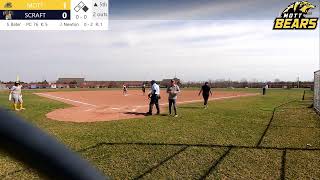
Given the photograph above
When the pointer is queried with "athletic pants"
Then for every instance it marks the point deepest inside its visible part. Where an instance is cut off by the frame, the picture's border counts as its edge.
(172, 102)
(154, 100)
(205, 98)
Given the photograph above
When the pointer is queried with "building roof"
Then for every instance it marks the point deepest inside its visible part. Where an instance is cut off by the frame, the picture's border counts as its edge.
(68, 80)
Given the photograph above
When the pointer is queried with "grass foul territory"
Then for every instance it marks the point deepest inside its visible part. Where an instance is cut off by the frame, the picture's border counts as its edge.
(275, 136)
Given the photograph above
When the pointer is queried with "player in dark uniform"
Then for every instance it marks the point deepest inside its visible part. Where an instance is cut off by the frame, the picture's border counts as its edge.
(206, 92)
(143, 88)
(125, 90)
(264, 90)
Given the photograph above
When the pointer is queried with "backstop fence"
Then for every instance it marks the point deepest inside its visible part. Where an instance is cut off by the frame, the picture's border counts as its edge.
(316, 98)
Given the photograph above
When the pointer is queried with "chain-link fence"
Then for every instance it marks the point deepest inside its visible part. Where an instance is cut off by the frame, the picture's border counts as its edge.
(316, 99)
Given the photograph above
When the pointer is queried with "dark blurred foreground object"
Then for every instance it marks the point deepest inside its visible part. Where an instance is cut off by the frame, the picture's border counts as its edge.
(42, 152)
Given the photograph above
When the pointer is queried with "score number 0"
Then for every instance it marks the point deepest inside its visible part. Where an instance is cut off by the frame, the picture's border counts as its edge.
(64, 14)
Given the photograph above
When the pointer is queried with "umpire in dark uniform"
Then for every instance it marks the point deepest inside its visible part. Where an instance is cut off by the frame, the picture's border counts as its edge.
(154, 96)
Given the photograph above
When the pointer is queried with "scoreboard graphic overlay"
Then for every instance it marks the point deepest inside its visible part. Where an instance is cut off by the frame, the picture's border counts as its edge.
(54, 14)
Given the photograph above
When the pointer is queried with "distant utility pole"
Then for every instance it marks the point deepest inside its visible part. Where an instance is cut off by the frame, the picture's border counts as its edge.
(298, 82)
(18, 78)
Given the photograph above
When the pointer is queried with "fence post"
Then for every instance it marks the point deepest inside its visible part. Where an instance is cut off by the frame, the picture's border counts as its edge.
(316, 97)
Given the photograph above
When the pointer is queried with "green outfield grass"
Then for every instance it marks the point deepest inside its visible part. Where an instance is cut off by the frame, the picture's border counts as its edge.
(260, 137)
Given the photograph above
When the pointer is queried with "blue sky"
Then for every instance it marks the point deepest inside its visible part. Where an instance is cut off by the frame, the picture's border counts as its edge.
(198, 9)
(197, 40)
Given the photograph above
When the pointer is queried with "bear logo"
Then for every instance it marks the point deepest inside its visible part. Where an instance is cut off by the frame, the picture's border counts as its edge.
(302, 7)
(8, 5)
(294, 17)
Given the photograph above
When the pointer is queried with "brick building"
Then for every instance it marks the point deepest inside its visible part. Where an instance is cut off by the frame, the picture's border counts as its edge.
(70, 80)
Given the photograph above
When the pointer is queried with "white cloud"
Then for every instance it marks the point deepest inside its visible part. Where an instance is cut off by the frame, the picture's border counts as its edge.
(144, 50)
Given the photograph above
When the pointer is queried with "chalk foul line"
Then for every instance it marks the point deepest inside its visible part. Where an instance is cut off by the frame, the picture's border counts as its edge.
(194, 101)
(70, 100)
(136, 107)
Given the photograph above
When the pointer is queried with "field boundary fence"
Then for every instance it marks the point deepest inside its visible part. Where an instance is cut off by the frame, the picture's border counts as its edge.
(316, 90)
